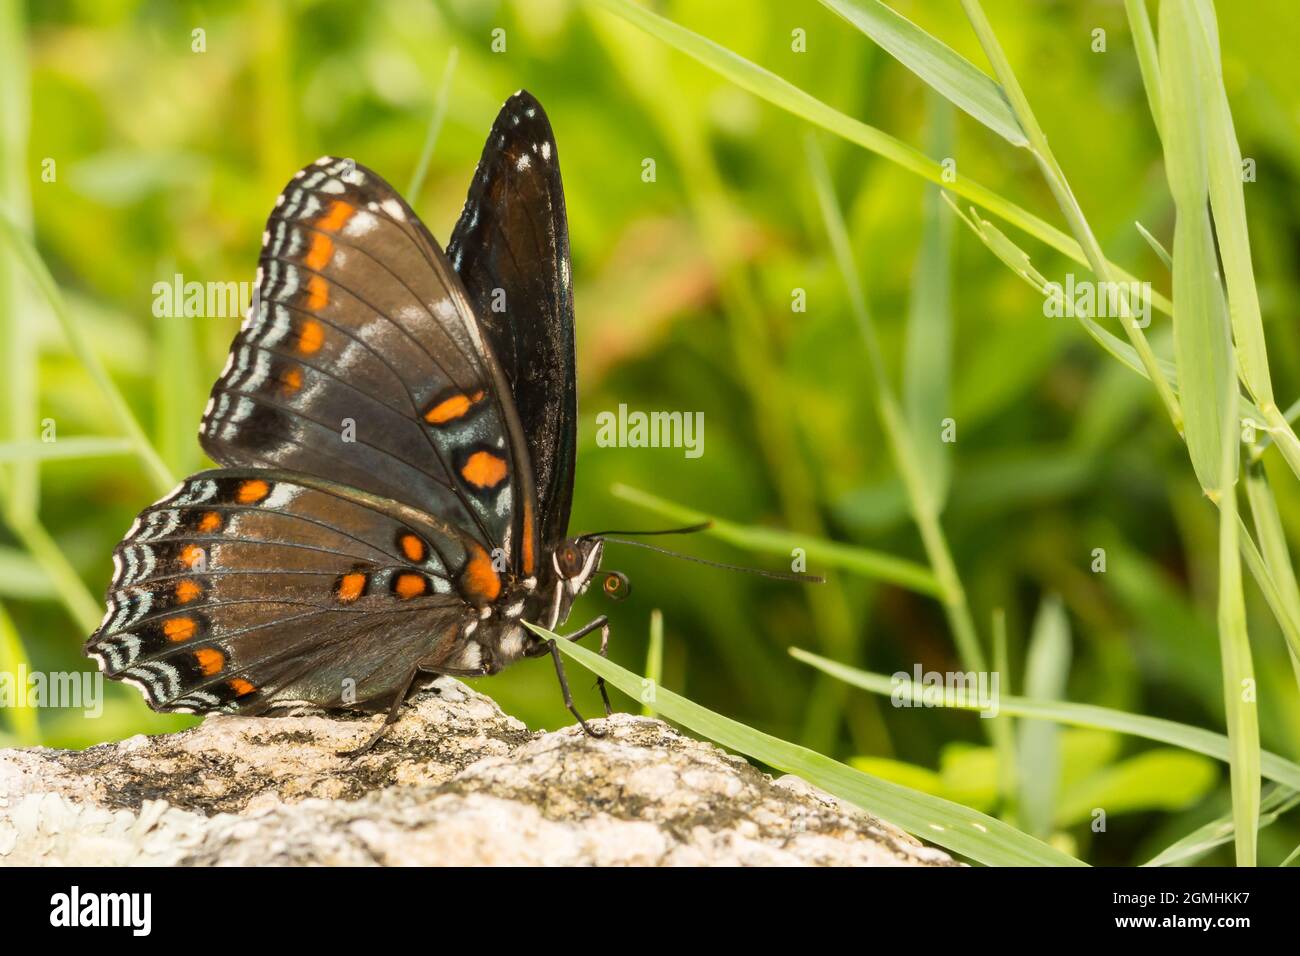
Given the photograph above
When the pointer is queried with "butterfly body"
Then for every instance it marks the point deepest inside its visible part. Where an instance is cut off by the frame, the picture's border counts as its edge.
(396, 434)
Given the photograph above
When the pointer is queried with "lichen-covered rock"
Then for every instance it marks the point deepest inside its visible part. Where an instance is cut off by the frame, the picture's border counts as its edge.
(455, 781)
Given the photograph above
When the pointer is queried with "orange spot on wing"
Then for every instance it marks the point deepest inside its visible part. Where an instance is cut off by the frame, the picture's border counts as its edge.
(252, 491)
(529, 558)
(291, 379)
(311, 336)
(484, 469)
(407, 586)
(452, 408)
(479, 580)
(179, 628)
(210, 660)
(209, 521)
(240, 686)
(334, 220)
(350, 587)
(318, 294)
(412, 547)
(322, 247)
(187, 591)
(191, 556)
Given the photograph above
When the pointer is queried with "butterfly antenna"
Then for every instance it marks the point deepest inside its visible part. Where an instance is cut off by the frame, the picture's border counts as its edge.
(688, 529)
(777, 575)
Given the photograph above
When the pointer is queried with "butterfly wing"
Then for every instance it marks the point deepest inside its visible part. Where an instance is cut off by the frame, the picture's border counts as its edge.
(362, 362)
(250, 590)
(511, 249)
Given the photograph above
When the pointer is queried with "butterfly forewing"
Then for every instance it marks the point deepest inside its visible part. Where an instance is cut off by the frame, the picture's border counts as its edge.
(361, 362)
(511, 249)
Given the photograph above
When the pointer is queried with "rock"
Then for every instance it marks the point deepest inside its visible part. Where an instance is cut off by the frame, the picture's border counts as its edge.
(455, 781)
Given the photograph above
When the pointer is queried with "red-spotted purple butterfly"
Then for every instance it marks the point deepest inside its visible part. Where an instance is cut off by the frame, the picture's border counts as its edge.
(396, 433)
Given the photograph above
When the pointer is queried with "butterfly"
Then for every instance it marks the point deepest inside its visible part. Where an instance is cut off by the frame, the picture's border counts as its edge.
(396, 431)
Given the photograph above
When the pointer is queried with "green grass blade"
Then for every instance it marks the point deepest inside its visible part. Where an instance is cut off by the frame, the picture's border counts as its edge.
(787, 96)
(435, 127)
(21, 578)
(1203, 839)
(820, 552)
(1207, 742)
(960, 829)
(19, 385)
(13, 660)
(1144, 42)
(31, 534)
(1056, 180)
(947, 71)
(1156, 246)
(927, 356)
(1017, 260)
(654, 657)
(160, 474)
(1202, 348)
(1047, 666)
(88, 446)
(1228, 202)
(1276, 557)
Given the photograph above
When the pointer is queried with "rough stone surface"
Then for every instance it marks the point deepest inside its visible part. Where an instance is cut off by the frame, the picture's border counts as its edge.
(454, 782)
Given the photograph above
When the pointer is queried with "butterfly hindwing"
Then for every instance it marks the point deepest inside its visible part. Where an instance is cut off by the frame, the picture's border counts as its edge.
(242, 586)
(361, 362)
(511, 249)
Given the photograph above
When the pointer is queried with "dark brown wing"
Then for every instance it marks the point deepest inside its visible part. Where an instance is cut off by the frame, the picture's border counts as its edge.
(511, 249)
(362, 363)
(247, 590)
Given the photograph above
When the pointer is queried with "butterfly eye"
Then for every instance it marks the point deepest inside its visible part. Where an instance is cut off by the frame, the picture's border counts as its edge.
(616, 585)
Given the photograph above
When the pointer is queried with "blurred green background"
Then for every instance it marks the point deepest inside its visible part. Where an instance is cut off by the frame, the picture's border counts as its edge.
(167, 160)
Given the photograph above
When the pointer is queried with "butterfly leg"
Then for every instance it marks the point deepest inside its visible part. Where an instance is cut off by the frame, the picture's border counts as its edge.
(602, 623)
(564, 689)
(389, 719)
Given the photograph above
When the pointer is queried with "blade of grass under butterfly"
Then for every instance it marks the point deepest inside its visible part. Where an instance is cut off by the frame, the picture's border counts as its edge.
(118, 408)
(975, 835)
(781, 93)
(946, 71)
(14, 661)
(1277, 801)
(435, 127)
(88, 446)
(819, 552)
(654, 657)
(1197, 739)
